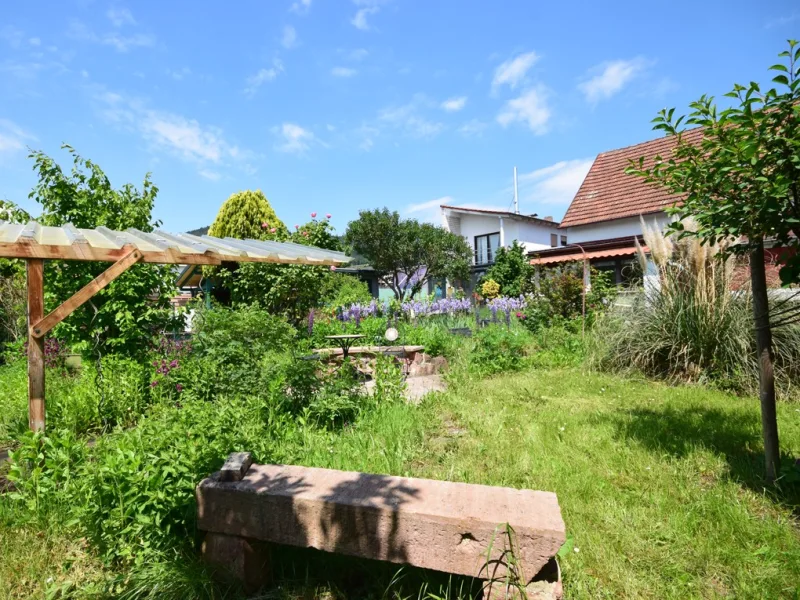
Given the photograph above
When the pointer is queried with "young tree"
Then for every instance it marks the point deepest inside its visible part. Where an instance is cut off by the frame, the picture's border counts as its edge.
(124, 316)
(12, 283)
(406, 254)
(742, 179)
(511, 269)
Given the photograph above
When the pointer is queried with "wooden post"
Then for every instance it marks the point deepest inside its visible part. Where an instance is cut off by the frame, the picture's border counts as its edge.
(36, 414)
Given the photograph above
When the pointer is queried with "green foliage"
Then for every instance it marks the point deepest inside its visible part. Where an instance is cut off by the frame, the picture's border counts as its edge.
(406, 253)
(490, 289)
(289, 290)
(228, 347)
(511, 270)
(247, 215)
(741, 178)
(125, 316)
(690, 326)
(560, 301)
(343, 290)
(498, 349)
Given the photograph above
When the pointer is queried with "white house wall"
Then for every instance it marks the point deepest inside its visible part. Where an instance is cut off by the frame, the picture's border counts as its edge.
(470, 226)
(614, 228)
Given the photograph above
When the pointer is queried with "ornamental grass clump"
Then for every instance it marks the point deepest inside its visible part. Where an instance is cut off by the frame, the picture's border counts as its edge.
(692, 322)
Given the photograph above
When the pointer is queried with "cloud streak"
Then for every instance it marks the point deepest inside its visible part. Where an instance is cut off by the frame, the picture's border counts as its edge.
(530, 108)
(610, 78)
(513, 72)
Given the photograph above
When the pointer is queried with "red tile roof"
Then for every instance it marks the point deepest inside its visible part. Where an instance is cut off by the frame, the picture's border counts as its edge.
(608, 193)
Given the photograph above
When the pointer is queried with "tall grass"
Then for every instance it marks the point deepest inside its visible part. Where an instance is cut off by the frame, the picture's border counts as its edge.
(691, 324)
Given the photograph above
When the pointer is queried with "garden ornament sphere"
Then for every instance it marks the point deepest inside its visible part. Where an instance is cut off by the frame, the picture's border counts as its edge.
(391, 334)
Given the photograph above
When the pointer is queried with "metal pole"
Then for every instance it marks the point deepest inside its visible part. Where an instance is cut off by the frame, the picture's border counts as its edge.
(516, 196)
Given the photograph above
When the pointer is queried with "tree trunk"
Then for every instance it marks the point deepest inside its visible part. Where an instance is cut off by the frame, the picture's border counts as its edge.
(766, 374)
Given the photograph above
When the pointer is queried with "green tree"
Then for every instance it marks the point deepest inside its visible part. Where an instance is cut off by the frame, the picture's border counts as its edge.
(511, 269)
(12, 283)
(247, 215)
(405, 253)
(289, 290)
(742, 180)
(124, 316)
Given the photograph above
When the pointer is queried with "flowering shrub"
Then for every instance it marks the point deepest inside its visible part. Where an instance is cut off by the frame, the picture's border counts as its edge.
(490, 289)
(55, 353)
(409, 309)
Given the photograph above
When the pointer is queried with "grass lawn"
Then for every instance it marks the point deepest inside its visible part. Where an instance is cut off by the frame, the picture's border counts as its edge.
(659, 486)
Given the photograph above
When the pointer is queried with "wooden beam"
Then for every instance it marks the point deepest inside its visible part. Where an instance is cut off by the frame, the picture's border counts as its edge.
(170, 256)
(36, 415)
(43, 325)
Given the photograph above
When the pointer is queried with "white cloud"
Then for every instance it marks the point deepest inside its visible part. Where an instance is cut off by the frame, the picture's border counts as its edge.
(124, 43)
(121, 43)
(454, 104)
(12, 137)
(359, 20)
(179, 74)
(343, 72)
(186, 137)
(429, 211)
(210, 175)
(35, 41)
(120, 16)
(12, 35)
(357, 54)
(530, 108)
(407, 118)
(296, 140)
(474, 127)
(513, 71)
(556, 184)
(289, 38)
(610, 78)
(261, 77)
(301, 7)
(366, 9)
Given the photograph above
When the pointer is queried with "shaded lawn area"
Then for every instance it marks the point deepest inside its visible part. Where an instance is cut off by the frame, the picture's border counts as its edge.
(659, 486)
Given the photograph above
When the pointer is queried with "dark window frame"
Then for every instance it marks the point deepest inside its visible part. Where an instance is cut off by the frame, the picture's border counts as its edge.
(489, 257)
(564, 240)
(554, 240)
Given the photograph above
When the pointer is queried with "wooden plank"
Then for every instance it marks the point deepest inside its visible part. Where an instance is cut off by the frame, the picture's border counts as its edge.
(43, 325)
(36, 411)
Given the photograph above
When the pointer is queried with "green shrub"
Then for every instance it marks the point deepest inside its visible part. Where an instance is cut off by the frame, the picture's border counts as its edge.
(121, 389)
(497, 349)
(389, 383)
(688, 324)
(559, 297)
(343, 290)
(228, 346)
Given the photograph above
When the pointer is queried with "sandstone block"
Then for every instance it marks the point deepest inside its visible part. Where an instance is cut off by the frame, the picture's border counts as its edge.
(438, 525)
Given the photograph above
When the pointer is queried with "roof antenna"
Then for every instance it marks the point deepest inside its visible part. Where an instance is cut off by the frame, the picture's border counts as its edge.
(516, 197)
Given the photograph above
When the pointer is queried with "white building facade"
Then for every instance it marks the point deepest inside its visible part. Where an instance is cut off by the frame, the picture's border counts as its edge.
(486, 231)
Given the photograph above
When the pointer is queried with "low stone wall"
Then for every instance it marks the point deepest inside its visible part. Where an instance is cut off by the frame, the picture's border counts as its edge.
(439, 525)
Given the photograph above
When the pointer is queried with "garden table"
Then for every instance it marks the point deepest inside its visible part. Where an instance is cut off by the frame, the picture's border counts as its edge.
(344, 341)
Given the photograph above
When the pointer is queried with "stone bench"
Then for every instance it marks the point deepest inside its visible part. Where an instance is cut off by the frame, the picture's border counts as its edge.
(437, 525)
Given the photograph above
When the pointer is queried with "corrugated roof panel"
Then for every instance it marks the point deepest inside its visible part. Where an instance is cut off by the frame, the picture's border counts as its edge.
(70, 243)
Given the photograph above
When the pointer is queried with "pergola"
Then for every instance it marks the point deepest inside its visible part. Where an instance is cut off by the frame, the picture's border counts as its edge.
(36, 243)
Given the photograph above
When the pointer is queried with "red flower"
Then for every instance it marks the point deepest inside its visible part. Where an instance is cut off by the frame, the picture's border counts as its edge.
(328, 216)
(313, 215)
(297, 226)
(272, 230)
(264, 225)
(333, 267)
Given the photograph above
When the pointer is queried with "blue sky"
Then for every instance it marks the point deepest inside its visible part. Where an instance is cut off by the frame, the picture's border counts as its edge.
(338, 105)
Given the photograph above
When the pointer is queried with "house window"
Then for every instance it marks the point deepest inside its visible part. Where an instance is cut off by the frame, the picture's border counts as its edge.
(563, 240)
(553, 240)
(486, 248)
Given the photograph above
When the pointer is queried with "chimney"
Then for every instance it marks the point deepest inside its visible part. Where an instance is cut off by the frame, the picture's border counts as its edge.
(548, 218)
